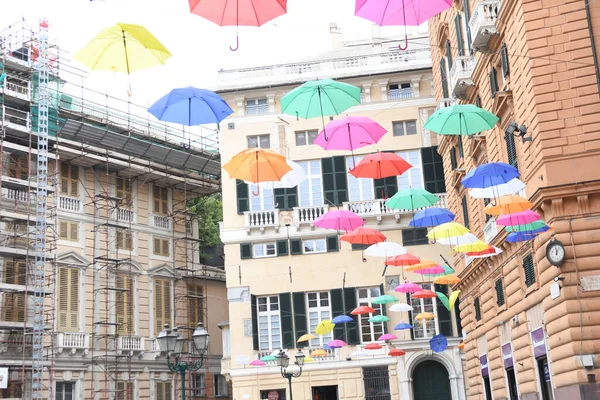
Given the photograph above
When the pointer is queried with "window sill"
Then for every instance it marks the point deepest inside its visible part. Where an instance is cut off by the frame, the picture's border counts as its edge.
(501, 308)
(531, 288)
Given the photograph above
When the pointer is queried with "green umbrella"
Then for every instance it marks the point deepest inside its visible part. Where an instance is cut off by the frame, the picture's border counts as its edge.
(319, 99)
(411, 199)
(532, 226)
(379, 318)
(385, 299)
(267, 358)
(461, 119)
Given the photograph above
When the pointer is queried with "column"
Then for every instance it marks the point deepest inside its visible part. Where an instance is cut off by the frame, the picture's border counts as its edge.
(241, 105)
(414, 85)
(383, 84)
(366, 87)
(271, 102)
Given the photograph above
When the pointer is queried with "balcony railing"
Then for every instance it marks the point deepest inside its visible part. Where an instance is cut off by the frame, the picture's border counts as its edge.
(261, 219)
(16, 119)
(21, 89)
(461, 75)
(443, 103)
(490, 230)
(377, 207)
(69, 204)
(17, 196)
(72, 341)
(331, 353)
(161, 221)
(483, 22)
(398, 94)
(257, 109)
(125, 215)
(130, 343)
(306, 215)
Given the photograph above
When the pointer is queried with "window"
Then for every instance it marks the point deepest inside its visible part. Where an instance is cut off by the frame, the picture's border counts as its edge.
(444, 77)
(493, 82)
(529, 268)
(221, 387)
(413, 178)
(195, 294)
(425, 328)
(124, 240)
(14, 304)
(369, 331)
(263, 250)
(477, 306)
(414, 237)
(69, 180)
(485, 203)
(433, 170)
(314, 246)
(499, 292)
(199, 385)
(65, 391)
(124, 191)
(18, 166)
(124, 304)
(459, 34)
(69, 231)
(511, 149)
(269, 328)
(163, 391)
(259, 141)
(453, 163)
(318, 310)
(162, 304)
(465, 211)
(467, 15)
(404, 128)
(264, 394)
(160, 200)
(310, 190)
(358, 246)
(242, 196)
(399, 91)
(504, 60)
(68, 299)
(256, 106)
(376, 382)
(358, 188)
(161, 247)
(124, 391)
(304, 138)
(261, 199)
(286, 198)
(461, 151)
(335, 183)
(449, 53)
(478, 101)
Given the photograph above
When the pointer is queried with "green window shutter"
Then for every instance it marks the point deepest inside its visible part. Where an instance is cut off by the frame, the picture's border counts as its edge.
(459, 34)
(453, 162)
(282, 247)
(243, 197)
(287, 321)
(468, 28)
(295, 246)
(493, 82)
(350, 301)
(529, 268)
(504, 58)
(253, 304)
(383, 309)
(499, 293)
(332, 244)
(245, 250)
(465, 210)
(410, 317)
(477, 309)
(443, 314)
(286, 198)
(386, 187)
(478, 101)
(300, 317)
(459, 329)
(358, 246)
(433, 170)
(461, 150)
(337, 309)
(511, 149)
(335, 184)
(449, 53)
(414, 237)
(444, 78)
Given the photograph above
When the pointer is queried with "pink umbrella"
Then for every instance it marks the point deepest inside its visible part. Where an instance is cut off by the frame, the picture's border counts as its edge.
(258, 363)
(350, 133)
(408, 287)
(519, 218)
(431, 270)
(387, 336)
(336, 344)
(340, 220)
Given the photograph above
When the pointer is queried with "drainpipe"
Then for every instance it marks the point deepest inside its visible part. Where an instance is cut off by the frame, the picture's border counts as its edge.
(594, 54)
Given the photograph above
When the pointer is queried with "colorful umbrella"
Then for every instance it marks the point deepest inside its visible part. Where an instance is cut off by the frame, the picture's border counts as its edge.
(408, 287)
(319, 353)
(380, 165)
(461, 345)
(447, 231)
(342, 319)
(450, 279)
(333, 98)
(433, 216)
(339, 220)
(290, 180)
(424, 316)
(258, 363)
(238, 12)
(464, 239)
(350, 133)
(191, 106)
(267, 358)
(336, 344)
(366, 236)
(513, 186)
(402, 260)
(519, 218)
(508, 205)
(453, 297)
(384, 299)
(490, 174)
(424, 263)
(438, 343)
(478, 245)
(461, 119)
(395, 353)
(434, 270)
(400, 307)
(526, 227)
(424, 294)
(411, 199)
(387, 336)
(362, 310)
(373, 346)
(324, 327)
(490, 251)
(384, 249)
(306, 337)
(443, 299)
(308, 359)
(402, 326)
(520, 237)
(257, 165)
(379, 318)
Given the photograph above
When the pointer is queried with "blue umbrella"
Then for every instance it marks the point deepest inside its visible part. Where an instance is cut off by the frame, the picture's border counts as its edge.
(433, 216)
(490, 174)
(520, 237)
(191, 106)
(402, 325)
(533, 231)
(438, 343)
(342, 319)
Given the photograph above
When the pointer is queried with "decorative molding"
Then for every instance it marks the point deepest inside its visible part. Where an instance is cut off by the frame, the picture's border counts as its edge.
(583, 202)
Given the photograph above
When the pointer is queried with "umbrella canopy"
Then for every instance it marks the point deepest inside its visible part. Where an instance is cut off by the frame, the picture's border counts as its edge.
(350, 133)
(508, 205)
(362, 310)
(461, 345)
(489, 252)
(424, 294)
(190, 106)
(461, 119)
(411, 199)
(387, 336)
(366, 236)
(408, 287)
(438, 343)
(257, 165)
(238, 12)
(395, 353)
(466, 238)
(379, 318)
(490, 174)
(123, 48)
(324, 327)
(519, 218)
(447, 231)
(532, 226)
(380, 165)
(292, 179)
(400, 12)
(319, 353)
(402, 326)
(424, 316)
(432, 216)
(424, 263)
(450, 279)
(402, 260)
(306, 337)
(336, 344)
(384, 299)
(471, 247)
(267, 358)
(435, 270)
(308, 359)
(258, 363)
(400, 307)
(520, 237)
(373, 346)
(384, 249)
(513, 186)
(339, 220)
(342, 319)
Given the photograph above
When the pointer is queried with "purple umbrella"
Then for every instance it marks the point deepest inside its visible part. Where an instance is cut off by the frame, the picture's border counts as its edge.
(339, 220)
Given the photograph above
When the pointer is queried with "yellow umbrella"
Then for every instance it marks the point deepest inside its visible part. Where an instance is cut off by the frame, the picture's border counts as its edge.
(324, 327)
(424, 315)
(478, 245)
(508, 205)
(447, 230)
(319, 353)
(306, 338)
(449, 279)
(308, 359)
(123, 48)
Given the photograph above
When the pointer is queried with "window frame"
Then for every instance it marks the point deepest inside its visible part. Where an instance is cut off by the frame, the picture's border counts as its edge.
(258, 107)
(158, 193)
(422, 306)
(162, 240)
(165, 387)
(409, 175)
(364, 187)
(404, 125)
(126, 296)
(307, 185)
(199, 384)
(167, 284)
(266, 247)
(363, 319)
(71, 179)
(73, 389)
(222, 391)
(258, 138)
(269, 314)
(306, 136)
(265, 198)
(69, 224)
(72, 299)
(399, 92)
(323, 313)
(315, 246)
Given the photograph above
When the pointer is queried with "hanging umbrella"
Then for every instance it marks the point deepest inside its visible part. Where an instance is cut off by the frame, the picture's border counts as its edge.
(306, 337)
(402, 260)
(238, 12)
(424, 263)
(336, 344)
(461, 119)
(258, 363)
(402, 326)
(320, 99)
(489, 252)
(257, 165)
(518, 218)
(373, 346)
(508, 205)
(461, 345)
(435, 270)
(291, 179)
(308, 359)
(513, 186)
(384, 299)
(407, 287)
(379, 318)
(191, 106)
(424, 294)
(447, 231)
(520, 237)
(526, 227)
(411, 199)
(453, 297)
(387, 336)
(471, 247)
(267, 358)
(490, 174)
(396, 353)
(424, 316)
(385, 249)
(380, 165)
(433, 216)
(319, 353)
(450, 279)
(366, 236)
(438, 343)
(350, 133)
(339, 220)
(443, 299)
(400, 307)
(324, 327)
(467, 238)
(342, 319)
(362, 310)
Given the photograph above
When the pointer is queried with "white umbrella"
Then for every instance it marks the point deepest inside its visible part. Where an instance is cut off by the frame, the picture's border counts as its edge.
(385, 249)
(400, 307)
(511, 187)
(292, 179)
(467, 238)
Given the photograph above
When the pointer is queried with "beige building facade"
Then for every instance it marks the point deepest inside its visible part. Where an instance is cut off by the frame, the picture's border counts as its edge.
(531, 328)
(284, 275)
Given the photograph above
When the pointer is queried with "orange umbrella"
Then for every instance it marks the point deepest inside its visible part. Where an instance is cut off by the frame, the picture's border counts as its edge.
(373, 346)
(257, 165)
(461, 345)
(424, 264)
(424, 315)
(319, 353)
(508, 205)
(380, 165)
(402, 260)
(362, 310)
(449, 279)
(360, 235)
(424, 294)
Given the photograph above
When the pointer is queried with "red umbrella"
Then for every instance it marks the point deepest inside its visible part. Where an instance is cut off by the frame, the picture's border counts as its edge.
(362, 310)
(238, 12)
(366, 236)
(380, 165)
(373, 346)
(396, 353)
(403, 260)
(424, 294)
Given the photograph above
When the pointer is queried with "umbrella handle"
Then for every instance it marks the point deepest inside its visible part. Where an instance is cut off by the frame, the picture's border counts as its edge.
(257, 191)
(405, 43)
(384, 269)
(237, 44)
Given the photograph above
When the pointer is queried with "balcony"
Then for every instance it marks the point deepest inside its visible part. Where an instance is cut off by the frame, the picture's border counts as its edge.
(443, 103)
(399, 94)
(130, 344)
(17, 88)
(490, 230)
(161, 221)
(307, 215)
(376, 208)
(125, 215)
(73, 341)
(461, 75)
(261, 220)
(69, 204)
(483, 23)
(15, 119)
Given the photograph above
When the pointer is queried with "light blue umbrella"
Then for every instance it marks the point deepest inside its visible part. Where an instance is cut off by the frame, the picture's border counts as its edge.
(490, 174)
(402, 326)
(433, 216)
(342, 319)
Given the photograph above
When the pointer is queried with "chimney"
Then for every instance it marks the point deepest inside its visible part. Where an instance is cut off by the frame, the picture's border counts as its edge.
(337, 39)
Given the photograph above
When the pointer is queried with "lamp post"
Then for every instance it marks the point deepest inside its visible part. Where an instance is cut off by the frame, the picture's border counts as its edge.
(283, 361)
(171, 342)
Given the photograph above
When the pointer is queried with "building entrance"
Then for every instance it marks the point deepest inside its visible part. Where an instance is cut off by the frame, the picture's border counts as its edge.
(431, 381)
(325, 392)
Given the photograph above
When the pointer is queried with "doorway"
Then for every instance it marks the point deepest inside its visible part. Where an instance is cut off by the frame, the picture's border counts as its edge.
(431, 381)
(325, 392)
(544, 378)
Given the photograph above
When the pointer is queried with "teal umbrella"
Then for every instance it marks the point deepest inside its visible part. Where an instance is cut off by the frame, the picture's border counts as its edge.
(461, 119)
(411, 199)
(532, 226)
(319, 99)
(384, 299)
(267, 358)
(379, 318)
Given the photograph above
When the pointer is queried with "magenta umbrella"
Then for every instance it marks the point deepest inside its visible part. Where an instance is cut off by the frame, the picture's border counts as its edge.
(336, 344)
(408, 287)
(431, 270)
(350, 133)
(387, 336)
(400, 12)
(258, 363)
(519, 218)
(339, 220)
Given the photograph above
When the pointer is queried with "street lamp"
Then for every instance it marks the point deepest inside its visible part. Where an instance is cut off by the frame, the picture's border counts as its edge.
(171, 342)
(283, 362)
